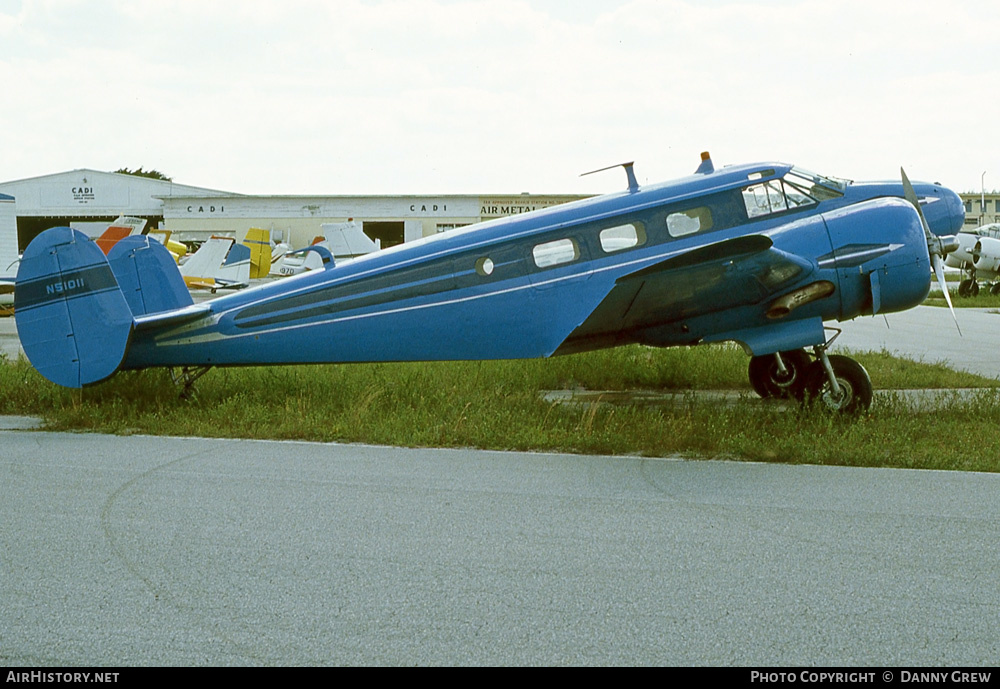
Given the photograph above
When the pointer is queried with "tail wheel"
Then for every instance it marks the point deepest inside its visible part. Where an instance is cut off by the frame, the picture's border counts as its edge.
(769, 381)
(855, 395)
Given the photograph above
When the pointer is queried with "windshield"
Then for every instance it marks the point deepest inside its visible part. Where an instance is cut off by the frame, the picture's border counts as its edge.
(817, 186)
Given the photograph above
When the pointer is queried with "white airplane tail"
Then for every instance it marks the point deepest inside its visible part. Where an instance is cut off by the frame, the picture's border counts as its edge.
(348, 240)
(8, 238)
(8, 249)
(120, 228)
(204, 264)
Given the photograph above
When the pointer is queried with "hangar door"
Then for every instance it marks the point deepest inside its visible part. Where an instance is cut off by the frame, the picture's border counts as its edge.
(389, 232)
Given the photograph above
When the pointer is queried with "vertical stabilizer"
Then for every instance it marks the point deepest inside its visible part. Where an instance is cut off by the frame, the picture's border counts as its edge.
(73, 321)
(147, 276)
(8, 237)
(347, 240)
(118, 230)
(259, 243)
(207, 260)
(236, 269)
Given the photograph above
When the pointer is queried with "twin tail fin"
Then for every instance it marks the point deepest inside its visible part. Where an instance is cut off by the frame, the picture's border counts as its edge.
(76, 309)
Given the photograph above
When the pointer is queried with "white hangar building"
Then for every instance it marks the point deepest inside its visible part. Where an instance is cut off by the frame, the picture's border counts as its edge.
(297, 219)
(89, 199)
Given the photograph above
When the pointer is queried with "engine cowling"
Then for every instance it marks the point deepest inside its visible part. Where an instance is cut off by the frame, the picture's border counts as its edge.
(987, 255)
(963, 256)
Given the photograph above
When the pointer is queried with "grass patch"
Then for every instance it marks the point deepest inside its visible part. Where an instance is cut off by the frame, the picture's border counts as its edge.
(497, 405)
(983, 300)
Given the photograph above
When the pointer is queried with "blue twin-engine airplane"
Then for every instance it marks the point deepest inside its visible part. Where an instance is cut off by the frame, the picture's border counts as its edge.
(760, 254)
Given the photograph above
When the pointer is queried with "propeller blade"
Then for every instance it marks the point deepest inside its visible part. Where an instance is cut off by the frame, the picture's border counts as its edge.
(934, 246)
(938, 263)
(911, 196)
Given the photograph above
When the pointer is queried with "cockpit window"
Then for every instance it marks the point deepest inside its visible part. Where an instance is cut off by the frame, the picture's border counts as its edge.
(819, 187)
(778, 195)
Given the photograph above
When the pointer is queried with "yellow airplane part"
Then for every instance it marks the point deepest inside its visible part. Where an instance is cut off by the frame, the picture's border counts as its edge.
(194, 282)
(176, 249)
(259, 243)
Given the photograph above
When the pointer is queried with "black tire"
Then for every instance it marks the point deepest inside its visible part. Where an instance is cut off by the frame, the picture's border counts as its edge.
(855, 386)
(995, 289)
(768, 382)
(965, 288)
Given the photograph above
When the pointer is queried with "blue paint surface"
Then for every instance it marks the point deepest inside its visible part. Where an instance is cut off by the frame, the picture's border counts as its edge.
(432, 300)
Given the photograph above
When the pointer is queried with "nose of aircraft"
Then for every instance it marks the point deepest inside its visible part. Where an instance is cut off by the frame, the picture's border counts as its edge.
(943, 209)
(957, 211)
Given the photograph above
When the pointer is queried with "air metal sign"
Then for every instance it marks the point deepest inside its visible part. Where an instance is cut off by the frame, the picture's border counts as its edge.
(498, 206)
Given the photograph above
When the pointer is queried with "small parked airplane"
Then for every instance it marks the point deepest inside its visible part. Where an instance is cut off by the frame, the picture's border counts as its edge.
(978, 255)
(8, 251)
(222, 263)
(343, 241)
(760, 254)
(118, 229)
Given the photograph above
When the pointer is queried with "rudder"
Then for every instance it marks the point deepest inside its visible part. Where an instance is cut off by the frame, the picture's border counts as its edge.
(259, 243)
(147, 276)
(72, 319)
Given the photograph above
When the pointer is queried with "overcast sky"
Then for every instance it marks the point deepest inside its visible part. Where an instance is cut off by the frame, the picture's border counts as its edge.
(497, 96)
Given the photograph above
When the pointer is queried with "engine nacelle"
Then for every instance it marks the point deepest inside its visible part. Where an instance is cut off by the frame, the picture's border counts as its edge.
(963, 255)
(987, 255)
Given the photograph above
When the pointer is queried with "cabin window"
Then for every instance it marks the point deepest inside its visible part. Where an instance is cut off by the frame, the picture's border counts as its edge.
(690, 221)
(484, 266)
(622, 237)
(555, 253)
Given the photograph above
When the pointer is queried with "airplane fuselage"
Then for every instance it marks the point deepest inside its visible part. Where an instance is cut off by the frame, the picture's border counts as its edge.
(600, 272)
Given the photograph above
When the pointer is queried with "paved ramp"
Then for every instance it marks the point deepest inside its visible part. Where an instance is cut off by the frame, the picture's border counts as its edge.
(928, 334)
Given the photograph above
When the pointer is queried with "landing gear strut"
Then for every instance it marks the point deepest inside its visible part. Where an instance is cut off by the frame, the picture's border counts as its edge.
(837, 383)
(185, 378)
(832, 382)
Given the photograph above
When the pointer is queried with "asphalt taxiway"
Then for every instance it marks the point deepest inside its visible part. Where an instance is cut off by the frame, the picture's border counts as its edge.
(929, 334)
(132, 551)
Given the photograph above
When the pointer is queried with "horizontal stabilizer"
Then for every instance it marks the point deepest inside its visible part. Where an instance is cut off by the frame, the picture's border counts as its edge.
(165, 318)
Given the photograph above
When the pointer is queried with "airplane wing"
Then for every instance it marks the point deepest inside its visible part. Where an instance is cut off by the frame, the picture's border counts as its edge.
(735, 272)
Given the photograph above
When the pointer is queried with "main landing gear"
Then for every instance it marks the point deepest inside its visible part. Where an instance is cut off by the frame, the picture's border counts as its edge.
(832, 382)
(185, 379)
(969, 286)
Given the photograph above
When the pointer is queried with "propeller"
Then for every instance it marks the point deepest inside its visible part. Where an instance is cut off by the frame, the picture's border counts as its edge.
(937, 247)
